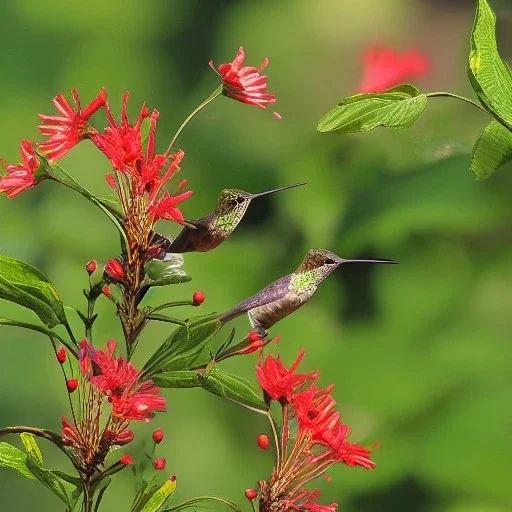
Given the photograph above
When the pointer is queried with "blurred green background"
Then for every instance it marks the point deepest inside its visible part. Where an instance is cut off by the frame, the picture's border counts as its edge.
(419, 353)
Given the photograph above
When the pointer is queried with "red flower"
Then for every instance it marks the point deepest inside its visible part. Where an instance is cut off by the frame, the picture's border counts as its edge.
(119, 381)
(314, 409)
(166, 207)
(66, 131)
(280, 382)
(21, 176)
(122, 143)
(385, 68)
(245, 84)
(114, 269)
(315, 507)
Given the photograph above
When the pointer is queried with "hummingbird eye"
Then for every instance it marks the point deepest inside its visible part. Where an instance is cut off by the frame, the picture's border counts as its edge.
(329, 261)
(240, 199)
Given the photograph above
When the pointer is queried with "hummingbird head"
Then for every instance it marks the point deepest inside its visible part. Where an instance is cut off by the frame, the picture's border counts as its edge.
(322, 262)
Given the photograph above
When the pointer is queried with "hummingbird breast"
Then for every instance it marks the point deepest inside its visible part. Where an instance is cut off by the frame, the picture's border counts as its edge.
(267, 315)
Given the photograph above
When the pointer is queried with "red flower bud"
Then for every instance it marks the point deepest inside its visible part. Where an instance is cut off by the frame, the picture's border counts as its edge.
(106, 291)
(158, 435)
(159, 463)
(91, 266)
(111, 181)
(255, 345)
(61, 355)
(126, 460)
(72, 384)
(254, 336)
(198, 298)
(263, 441)
(173, 478)
(124, 437)
(114, 269)
(251, 494)
(183, 183)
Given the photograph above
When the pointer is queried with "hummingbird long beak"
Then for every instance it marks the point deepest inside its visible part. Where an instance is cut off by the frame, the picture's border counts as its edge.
(267, 192)
(369, 261)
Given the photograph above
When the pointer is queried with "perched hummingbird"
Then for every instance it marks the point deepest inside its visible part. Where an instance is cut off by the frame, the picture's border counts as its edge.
(208, 232)
(290, 292)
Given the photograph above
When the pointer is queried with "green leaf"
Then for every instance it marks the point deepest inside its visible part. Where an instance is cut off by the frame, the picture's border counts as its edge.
(11, 457)
(159, 498)
(490, 76)
(233, 388)
(28, 287)
(162, 273)
(178, 379)
(396, 108)
(60, 487)
(492, 150)
(29, 442)
(184, 345)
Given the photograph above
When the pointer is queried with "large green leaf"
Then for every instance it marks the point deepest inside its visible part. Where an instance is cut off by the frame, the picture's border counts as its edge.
(233, 388)
(11, 457)
(162, 273)
(183, 346)
(159, 498)
(397, 108)
(27, 286)
(490, 76)
(178, 379)
(492, 149)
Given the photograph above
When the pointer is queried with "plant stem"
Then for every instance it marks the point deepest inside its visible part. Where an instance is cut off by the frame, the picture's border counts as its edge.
(173, 304)
(452, 95)
(276, 440)
(163, 318)
(230, 504)
(41, 329)
(210, 98)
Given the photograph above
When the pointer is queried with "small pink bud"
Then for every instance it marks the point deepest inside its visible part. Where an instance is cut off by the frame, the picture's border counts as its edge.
(198, 298)
(277, 115)
(126, 460)
(327, 477)
(158, 435)
(111, 181)
(125, 437)
(61, 355)
(111, 346)
(183, 183)
(91, 266)
(263, 441)
(72, 384)
(251, 494)
(114, 269)
(106, 291)
(159, 463)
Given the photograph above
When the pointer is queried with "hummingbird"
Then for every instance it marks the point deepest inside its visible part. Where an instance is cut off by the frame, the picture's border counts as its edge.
(289, 293)
(210, 231)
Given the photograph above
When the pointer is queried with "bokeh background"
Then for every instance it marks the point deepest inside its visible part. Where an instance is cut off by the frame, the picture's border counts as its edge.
(419, 353)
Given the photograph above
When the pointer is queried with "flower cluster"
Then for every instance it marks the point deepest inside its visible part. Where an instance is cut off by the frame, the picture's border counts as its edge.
(104, 377)
(384, 68)
(321, 441)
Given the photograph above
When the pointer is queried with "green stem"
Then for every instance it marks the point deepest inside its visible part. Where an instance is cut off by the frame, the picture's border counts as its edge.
(452, 95)
(173, 304)
(41, 329)
(71, 335)
(91, 302)
(210, 98)
(230, 504)
(168, 319)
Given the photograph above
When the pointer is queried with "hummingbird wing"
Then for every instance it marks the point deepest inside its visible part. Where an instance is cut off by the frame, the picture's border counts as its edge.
(161, 240)
(269, 294)
(184, 242)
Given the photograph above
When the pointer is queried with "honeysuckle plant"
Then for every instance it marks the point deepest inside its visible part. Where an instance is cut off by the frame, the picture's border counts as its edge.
(400, 106)
(107, 391)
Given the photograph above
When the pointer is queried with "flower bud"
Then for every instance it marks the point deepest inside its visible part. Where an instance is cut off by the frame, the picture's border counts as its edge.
(61, 355)
(251, 494)
(183, 183)
(198, 298)
(173, 478)
(124, 437)
(91, 266)
(254, 336)
(114, 269)
(72, 384)
(106, 291)
(159, 463)
(111, 182)
(158, 435)
(263, 441)
(126, 460)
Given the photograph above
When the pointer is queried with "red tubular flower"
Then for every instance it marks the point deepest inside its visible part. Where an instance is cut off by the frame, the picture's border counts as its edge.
(22, 176)
(245, 84)
(119, 381)
(114, 269)
(384, 68)
(66, 131)
(166, 207)
(280, 382)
